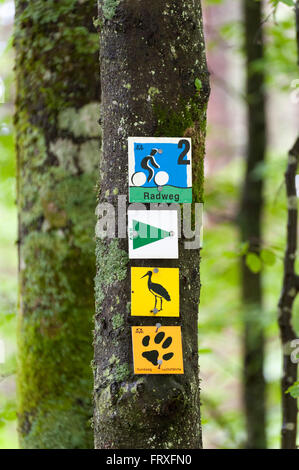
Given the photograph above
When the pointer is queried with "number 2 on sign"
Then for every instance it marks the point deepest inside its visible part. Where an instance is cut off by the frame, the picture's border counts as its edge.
(181, 160)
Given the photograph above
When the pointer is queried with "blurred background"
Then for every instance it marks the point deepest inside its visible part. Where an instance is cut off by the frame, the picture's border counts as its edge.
(220, 320)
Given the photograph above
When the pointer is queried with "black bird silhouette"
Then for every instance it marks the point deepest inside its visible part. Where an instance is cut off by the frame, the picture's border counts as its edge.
(157, 290)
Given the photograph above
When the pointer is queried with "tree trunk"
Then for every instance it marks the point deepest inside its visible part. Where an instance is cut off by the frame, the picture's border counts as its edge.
(289, 291)
(151, 55)
(58, 149)
(250, 225)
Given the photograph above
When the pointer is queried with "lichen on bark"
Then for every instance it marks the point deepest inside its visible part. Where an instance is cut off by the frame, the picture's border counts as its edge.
(58, 151)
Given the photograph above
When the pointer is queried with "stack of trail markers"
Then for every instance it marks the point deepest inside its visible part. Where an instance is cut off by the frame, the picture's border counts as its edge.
(160, 171)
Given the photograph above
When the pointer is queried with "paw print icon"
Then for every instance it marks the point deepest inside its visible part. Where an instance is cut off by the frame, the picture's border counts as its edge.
(153, 355)
(157, 351)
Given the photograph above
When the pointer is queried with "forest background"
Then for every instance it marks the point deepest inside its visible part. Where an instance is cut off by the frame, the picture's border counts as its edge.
(220, 328)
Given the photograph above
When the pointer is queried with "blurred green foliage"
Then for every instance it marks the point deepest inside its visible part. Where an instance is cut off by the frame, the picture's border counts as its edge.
(220, 318)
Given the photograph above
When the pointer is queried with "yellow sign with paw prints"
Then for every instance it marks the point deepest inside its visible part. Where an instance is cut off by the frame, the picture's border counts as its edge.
(155, 292)
(157, 350)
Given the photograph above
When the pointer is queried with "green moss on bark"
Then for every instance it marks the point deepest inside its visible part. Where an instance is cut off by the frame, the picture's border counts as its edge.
(57, 45)
(188, 120)
(56, 275)
(109, 8)
(111, 267)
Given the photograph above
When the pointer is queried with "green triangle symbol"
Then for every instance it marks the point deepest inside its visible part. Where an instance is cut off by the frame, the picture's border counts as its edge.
(146, 234)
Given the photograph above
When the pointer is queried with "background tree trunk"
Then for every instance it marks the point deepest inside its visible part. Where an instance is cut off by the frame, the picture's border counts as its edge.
(289, 291)
(151, 54)
(58, 148)
(250, 225)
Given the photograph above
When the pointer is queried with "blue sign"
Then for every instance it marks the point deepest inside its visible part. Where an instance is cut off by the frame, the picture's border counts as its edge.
(160, 169)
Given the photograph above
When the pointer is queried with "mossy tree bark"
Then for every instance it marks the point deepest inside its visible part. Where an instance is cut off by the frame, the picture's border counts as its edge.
(151, 55)
(250, 225)
(58, 150)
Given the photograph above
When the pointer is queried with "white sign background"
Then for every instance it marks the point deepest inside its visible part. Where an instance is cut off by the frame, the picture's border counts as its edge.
(166, 248)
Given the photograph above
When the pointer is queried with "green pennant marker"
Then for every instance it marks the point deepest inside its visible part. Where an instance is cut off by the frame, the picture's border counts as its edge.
(146, 234)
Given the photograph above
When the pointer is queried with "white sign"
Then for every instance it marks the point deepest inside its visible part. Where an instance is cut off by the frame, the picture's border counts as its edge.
(153, 234)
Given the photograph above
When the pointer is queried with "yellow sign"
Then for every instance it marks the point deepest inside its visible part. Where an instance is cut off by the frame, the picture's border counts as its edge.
(157, 350)
(155, 292)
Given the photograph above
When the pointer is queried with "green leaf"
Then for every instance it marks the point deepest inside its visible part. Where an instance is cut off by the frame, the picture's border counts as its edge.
(213, 2)
(268, 257)
(204, 351)
(230, 254)
(198, 84)
(244, 248)
(253, 262)
(289, 3)
(7, 412)
(293, 390)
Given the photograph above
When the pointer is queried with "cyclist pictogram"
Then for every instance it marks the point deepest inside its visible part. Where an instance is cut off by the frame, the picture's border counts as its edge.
(160, 169)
